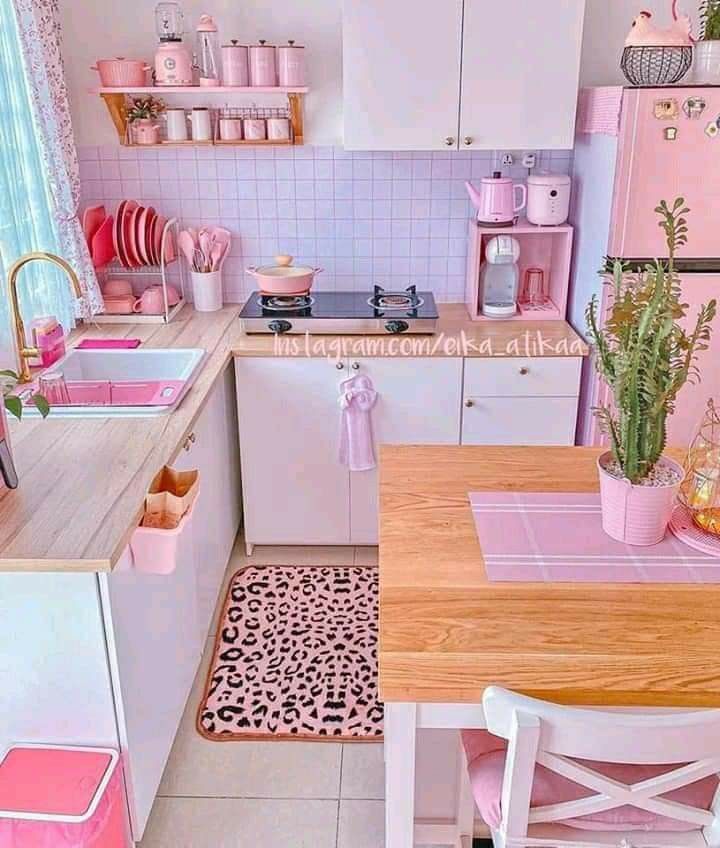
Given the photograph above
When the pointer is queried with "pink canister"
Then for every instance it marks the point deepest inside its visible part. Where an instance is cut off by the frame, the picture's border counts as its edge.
(262, 65)
(291, 65)
(254, 129)
(235, 64)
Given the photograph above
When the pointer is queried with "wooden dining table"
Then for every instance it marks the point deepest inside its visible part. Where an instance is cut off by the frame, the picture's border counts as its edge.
(447, 632)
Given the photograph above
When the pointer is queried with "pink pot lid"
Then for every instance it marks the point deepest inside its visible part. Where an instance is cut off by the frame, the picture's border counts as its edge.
(45, 782)
(207, 24)
(285, 268)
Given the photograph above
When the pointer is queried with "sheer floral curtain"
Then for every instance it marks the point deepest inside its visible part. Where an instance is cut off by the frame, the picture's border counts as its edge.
(39, 180)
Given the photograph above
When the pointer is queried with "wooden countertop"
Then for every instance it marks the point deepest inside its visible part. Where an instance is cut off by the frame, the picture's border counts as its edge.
(446, 633)
(456, 336)
(83, 481)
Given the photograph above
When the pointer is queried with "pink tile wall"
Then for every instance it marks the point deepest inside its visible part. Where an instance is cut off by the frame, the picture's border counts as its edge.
(392, 218)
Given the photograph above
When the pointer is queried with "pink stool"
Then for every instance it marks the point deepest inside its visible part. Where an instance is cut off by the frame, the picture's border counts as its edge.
(62, 797)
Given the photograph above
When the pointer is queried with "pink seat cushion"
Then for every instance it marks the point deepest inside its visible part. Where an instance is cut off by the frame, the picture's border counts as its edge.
(486, 763)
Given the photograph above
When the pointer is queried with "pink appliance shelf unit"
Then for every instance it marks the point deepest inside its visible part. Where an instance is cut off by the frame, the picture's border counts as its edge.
(548, 248)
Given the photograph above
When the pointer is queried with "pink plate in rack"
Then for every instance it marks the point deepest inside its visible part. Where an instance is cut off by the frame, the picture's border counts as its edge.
(117, 233)
(131, 244)
(683, 526)
(158, 231)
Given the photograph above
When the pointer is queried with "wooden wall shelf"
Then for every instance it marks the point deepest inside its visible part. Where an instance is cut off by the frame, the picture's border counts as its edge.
(116, 101)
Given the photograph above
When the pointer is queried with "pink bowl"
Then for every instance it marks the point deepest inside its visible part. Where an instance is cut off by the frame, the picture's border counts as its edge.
(117, 288)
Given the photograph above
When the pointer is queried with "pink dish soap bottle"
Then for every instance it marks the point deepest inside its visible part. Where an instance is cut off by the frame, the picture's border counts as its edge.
(48, 337)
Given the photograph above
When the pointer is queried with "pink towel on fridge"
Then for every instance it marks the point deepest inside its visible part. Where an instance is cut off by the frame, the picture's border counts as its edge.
(357, 398)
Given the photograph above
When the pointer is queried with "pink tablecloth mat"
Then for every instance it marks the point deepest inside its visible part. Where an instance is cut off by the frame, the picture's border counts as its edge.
(536, 537)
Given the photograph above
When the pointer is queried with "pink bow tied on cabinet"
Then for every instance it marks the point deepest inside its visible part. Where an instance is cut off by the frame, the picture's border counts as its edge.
(357, 398)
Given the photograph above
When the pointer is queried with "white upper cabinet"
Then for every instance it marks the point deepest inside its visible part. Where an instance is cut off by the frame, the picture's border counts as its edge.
(448, 75)
(401, 74)
(520, 71)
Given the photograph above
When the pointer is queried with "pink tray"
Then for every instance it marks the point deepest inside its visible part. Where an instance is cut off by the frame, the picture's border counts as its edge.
(125, 393)
(538, 537)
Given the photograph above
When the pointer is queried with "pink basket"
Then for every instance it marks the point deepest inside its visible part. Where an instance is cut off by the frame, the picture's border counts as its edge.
(62, 797)
(637, 515)
(157, 551)
(121, 73)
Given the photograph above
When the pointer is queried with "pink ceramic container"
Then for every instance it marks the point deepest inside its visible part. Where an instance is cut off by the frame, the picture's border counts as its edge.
(121, 73)
(235, 64)
(291, 65)
(64, 797)
(636, 515)
(263, 72)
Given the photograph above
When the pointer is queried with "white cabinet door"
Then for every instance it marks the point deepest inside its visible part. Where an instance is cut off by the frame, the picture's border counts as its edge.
(519, 421)
(213, 450)
(419, 404)
(401, 74)
(520, 70)
(295, 491)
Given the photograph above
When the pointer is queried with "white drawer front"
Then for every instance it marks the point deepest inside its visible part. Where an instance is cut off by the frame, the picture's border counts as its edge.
(523, 377)
(519, 421)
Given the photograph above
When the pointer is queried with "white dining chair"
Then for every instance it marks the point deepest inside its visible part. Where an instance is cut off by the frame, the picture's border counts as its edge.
(607, 758)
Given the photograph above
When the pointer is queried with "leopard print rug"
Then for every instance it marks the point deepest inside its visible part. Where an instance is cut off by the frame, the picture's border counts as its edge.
(296, 657)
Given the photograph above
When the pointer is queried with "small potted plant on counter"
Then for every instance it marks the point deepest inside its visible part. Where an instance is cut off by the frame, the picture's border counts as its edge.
(12, 404)
(706, 68)
(645, 356)
(142, 119)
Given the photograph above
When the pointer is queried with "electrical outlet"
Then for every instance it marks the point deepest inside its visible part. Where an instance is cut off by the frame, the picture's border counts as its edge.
(508, 159)
(529, 160)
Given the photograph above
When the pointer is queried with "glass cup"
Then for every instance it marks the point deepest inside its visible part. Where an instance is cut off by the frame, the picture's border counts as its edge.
(534, 288)
(52, 386)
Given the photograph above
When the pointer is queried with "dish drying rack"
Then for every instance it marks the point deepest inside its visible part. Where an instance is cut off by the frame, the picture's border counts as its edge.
(115, 269)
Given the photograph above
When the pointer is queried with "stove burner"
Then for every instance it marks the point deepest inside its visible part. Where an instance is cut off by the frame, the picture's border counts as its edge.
(409, 299)
(280, 303)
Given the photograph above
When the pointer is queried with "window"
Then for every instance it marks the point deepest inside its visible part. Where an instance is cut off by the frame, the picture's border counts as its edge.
(26, 221)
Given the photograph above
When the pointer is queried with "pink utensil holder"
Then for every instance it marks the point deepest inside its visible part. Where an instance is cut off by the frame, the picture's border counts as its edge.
(636, 515)
(157, 551)
(64, 797)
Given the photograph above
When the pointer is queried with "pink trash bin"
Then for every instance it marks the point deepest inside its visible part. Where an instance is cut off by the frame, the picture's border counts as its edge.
(62, 797)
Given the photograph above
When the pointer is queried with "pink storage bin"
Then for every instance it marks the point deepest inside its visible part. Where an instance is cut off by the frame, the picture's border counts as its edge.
(157, 551)
(62, 797)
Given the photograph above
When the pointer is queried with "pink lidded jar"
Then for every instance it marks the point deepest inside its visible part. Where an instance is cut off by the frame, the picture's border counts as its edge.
(291, 65)
(263, 72)
(235, 64)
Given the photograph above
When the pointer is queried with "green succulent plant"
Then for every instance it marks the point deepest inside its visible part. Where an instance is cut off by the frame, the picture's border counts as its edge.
(13, 404)
(643, 352)
(710, 20)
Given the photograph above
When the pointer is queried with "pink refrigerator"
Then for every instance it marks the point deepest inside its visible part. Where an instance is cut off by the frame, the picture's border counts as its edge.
(661, 143)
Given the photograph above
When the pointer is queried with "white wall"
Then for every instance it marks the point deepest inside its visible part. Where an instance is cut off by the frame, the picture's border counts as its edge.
(106, 28)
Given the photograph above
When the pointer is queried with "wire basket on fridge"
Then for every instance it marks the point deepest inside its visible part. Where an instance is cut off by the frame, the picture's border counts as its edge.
(656, 65)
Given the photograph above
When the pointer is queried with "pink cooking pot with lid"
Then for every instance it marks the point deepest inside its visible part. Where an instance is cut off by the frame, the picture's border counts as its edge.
(121, 72)
(284, 278)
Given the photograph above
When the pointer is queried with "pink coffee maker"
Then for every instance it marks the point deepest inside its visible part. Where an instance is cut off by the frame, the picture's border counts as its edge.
(173, 59)
(498, 200)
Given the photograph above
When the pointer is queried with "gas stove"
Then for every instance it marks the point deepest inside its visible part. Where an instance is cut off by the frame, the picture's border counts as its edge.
(407, 311)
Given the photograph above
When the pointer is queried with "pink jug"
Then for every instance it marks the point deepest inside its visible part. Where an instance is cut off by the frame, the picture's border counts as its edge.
(496, 201)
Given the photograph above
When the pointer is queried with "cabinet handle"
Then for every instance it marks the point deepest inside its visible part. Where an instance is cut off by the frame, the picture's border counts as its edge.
(524, 370)
(449, 140)
(468, 140)
(356, 366)
(189, 442)
(339, 365)
(469, 403)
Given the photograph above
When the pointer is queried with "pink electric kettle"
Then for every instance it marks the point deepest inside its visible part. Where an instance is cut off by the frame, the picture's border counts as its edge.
(496, 200)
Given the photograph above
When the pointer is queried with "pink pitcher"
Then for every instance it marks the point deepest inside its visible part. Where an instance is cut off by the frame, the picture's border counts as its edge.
(497, 200)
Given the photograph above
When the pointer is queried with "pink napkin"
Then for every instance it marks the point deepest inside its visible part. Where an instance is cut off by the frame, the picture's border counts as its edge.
(108, 344)
(357, 398)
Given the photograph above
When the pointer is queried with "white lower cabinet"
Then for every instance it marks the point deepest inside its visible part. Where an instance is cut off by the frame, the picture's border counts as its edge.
(295, 489)
(156, 625)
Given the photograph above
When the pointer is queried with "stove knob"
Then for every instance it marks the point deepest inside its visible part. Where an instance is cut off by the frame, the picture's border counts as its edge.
(279, 326)
(397, 326)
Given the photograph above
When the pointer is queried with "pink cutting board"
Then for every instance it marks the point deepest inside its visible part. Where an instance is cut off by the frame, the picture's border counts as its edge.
(536, 537)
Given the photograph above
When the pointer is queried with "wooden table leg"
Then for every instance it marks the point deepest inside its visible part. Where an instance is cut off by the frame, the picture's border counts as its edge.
(400, 736)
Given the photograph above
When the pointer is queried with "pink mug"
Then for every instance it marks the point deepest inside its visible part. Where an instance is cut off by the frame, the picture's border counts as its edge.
(150, 302)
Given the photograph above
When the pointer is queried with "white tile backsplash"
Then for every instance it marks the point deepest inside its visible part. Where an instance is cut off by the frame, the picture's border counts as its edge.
(390, 217)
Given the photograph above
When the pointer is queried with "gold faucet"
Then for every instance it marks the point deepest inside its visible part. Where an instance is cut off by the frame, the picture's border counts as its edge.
(23, 351)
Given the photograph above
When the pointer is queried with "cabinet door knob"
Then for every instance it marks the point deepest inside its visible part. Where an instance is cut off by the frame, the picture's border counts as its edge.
(524, 370)
(468, 140)
(339, 365)
(356, 366)
(189, 442)
(449, 140)
(469, 403)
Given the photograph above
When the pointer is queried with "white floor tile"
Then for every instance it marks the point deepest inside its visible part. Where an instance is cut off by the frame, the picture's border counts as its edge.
(361, 824)
(200, 768)
(366, 555)
(363, 771)
(302, 555)
(236, 823)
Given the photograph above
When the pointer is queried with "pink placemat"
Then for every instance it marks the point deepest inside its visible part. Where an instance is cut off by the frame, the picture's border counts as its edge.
(536, 537)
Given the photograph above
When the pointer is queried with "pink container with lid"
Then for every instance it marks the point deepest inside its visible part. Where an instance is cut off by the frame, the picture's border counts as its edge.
(62, 797)
(263, 72)
(291, 65)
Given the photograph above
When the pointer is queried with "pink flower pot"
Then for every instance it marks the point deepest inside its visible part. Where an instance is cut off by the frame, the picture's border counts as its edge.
(146, 132)
(636, 515)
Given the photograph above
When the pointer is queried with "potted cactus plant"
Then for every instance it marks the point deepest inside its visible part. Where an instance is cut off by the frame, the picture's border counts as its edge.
(706, 68)
(645, 356)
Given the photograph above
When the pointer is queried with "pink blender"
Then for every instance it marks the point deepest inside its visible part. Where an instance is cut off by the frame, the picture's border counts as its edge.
(173, 61)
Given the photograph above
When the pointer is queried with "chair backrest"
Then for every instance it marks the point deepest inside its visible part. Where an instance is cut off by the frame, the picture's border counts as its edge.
(555, 736)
